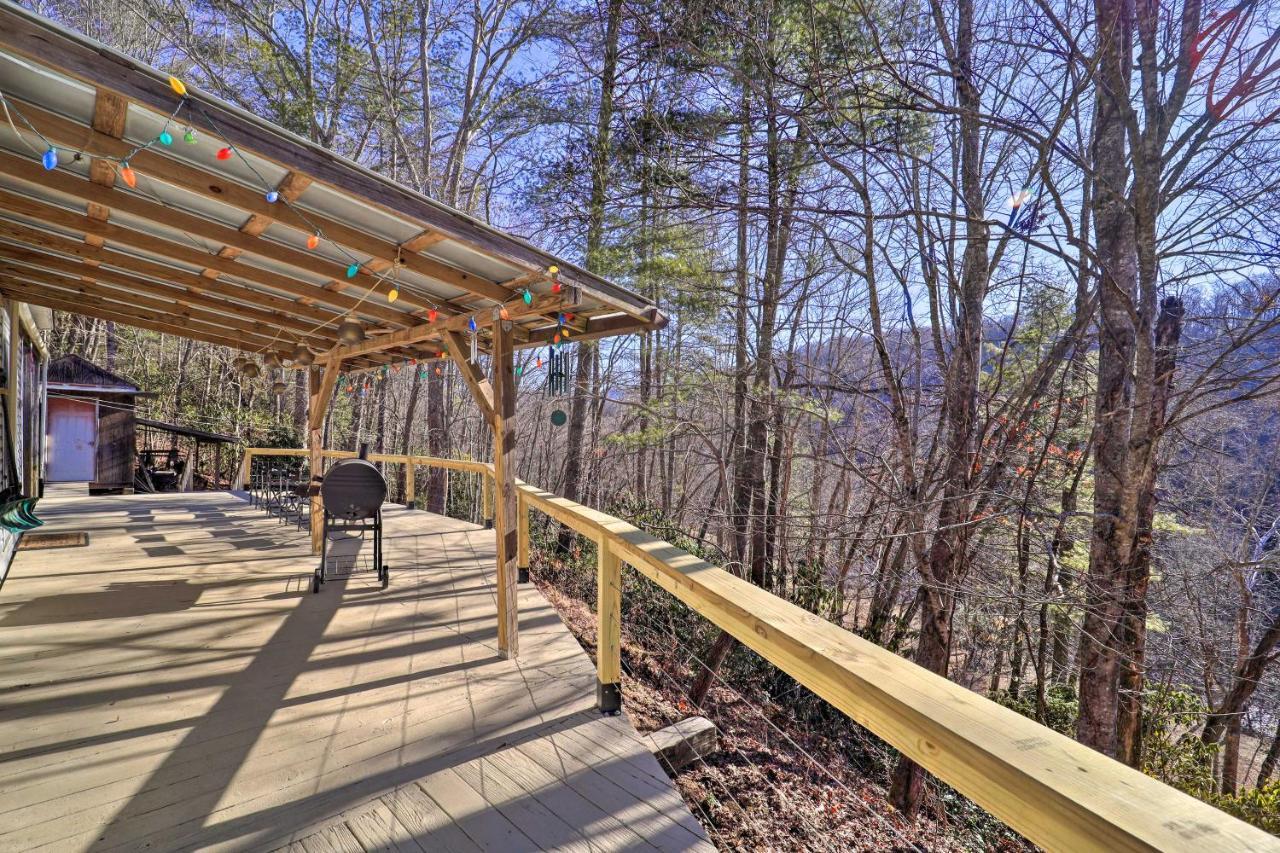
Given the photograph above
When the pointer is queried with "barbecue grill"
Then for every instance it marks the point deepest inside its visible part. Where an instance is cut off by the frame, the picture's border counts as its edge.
(352, 494)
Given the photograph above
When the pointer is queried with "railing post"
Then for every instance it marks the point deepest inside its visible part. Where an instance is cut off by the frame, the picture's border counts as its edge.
(608, 628)
(242, 476)
(410, 481)
(522, 547)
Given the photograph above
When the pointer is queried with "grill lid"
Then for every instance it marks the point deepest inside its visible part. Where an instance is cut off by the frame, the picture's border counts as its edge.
(353, 489)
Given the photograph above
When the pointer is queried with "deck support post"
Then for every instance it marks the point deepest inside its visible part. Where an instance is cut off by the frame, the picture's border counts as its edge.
(522, 529)
(322, 385)
(504, 483)
(608, 628)
(410, 482)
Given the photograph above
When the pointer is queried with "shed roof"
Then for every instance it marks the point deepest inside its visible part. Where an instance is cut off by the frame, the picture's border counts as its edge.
(268, 248)
(189, 432)
(74, 371)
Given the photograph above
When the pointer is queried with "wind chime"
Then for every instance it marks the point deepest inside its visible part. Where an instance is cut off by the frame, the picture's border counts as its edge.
(557, 381)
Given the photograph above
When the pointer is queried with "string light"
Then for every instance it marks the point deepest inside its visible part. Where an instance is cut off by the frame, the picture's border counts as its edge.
(273, 197)
(504, 313)
(313, 241)
(393, 294)
(555, 287)
(471, 324)
(189, 136)
(519, 370)
(432, 314)
(165, 137)
(50, 158)
(179, 88)
(224, 153)
(127, 174)
(352, 270)
(528, 296)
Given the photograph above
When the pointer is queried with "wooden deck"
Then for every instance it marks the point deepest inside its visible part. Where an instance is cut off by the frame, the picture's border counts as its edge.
(176, 685)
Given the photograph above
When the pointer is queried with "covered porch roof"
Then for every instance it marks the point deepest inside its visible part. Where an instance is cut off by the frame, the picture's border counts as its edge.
(129, 196)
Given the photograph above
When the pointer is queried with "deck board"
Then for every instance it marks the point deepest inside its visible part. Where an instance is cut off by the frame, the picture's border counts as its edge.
(175, 685)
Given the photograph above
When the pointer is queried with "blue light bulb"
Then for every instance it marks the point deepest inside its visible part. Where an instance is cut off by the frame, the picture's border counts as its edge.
(50, 158)
(273, 197)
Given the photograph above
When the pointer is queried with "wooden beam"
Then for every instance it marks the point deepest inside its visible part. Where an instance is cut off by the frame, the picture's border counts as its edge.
(141, 322)
(436, 331)
(477, 384)
(152, 164)
(124, 302)
(31, 242)
(504, 481)
(189, 254)
(323, 381)
(234, 242)
(318, 337)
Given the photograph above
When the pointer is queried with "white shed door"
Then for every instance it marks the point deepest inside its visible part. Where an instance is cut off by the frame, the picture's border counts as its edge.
(72, 440)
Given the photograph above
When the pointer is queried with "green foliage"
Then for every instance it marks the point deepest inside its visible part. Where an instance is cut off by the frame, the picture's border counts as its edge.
(1171, 752)
(1062, 705)
(1258, 806)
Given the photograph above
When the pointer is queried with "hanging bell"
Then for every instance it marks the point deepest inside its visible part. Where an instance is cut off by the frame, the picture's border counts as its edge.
(303, 356)
(278, 387)
(350, 332)
(270, 359)
(250, 369)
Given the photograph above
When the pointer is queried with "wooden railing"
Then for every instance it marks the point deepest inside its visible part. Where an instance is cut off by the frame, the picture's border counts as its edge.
(1056, 792)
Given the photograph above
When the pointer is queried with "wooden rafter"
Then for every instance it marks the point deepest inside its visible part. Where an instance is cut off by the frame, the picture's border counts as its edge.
(471, 373)
(123, 299)
(155, 165)
(147, 242)
(201, 297)
(435, 331)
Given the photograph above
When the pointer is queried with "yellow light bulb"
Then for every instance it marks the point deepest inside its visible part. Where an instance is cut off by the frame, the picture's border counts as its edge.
(393, 295)
(179, 88)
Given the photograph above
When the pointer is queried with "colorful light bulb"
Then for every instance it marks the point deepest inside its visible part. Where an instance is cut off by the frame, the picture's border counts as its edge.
(179, 88)
(555, 287)
(393, 295)
(165, 137)
(224, 153)
(50, 158)
(504, 313)
(519, 370)
(189, 137)
(432, 314)
(313, 241)
(471, 324)
(273, 197)
(528, 296)
(127, 174)
(352, 270)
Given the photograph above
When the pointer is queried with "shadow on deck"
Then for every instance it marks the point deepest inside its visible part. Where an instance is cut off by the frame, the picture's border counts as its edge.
(176, 685)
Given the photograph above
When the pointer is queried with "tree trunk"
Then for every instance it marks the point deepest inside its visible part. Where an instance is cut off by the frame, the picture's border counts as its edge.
(948, 552)
(1272, 758)
(1112, 535)
(601, 154)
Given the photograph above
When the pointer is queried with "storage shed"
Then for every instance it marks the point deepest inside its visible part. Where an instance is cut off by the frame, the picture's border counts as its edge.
(91, 432)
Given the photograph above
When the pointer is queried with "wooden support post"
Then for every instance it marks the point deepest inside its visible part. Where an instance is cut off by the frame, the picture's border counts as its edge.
(410, 483)
(504, 484)
(322, 385)
(522, 528)
(608, 628)
(486, 500)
